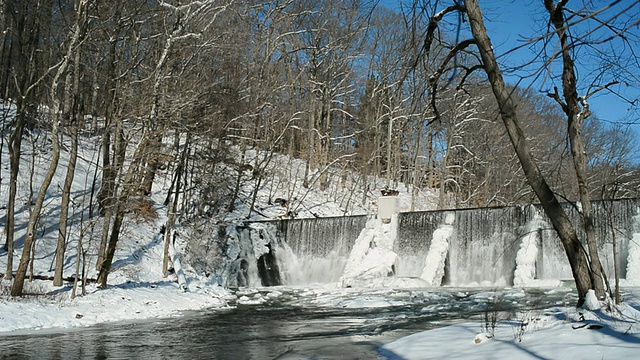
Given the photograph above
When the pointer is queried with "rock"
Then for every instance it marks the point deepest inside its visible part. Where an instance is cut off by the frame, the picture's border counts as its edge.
(482, 337)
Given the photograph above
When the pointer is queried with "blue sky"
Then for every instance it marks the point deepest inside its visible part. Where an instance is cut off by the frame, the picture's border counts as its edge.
(510, 22)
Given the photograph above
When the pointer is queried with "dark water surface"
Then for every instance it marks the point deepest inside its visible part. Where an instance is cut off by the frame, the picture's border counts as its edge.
(291, 324)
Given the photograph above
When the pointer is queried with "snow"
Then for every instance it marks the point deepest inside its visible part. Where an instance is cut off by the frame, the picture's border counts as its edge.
(260, 238)
(132, 301)
(138, 290)
(547, 335)
(372, 257)
(591, 301)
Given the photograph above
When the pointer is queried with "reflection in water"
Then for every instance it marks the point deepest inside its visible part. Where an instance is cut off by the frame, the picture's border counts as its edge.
(297, 324)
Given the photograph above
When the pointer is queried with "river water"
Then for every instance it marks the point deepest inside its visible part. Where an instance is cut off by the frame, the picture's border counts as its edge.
(285, 323)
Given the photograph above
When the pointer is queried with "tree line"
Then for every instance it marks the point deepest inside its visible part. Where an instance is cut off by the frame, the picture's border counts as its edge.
(210, 91)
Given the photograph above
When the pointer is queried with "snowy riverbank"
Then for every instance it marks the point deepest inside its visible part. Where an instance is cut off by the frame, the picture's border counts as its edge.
(550, 333)
(54, 309)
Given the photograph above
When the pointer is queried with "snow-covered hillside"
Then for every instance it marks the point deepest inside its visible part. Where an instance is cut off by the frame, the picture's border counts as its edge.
(138, 259)
(138, 290)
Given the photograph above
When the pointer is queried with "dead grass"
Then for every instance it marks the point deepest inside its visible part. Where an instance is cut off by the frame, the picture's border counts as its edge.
(142, 210)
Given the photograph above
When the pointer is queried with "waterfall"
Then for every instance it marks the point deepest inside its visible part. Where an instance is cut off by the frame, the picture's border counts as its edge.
(633, 260)
(486, 246)
(413, 241)
(482, 245)
(434, 268)
(552, 260)
(483, 248)
(616, 221)
(315, 250)
(305, 269)
(292, 269)
(613, 221)
(321, 236)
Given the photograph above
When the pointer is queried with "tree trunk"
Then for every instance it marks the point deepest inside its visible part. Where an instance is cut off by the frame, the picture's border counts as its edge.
(71, 111)
(109, 204)
(311, 145)
(110, 160)
(110, 250)
(564, 228)
(241, 170)
(389, 142)
(76, 277)
(151, 163)
(575, 117)
(173, 207)
(104, 238)
(15, 146)
(19, 51)
(106, 195)
(616, 272)
(128, 186)
(18, 283)
(64, 208)
(444, 175)
(417, 169)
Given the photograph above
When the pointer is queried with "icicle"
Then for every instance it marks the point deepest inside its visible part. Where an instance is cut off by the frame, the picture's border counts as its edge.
(433, 271)
(372, 256)
(177, 266)
(261, 235)
(633, 258)
(528, 254)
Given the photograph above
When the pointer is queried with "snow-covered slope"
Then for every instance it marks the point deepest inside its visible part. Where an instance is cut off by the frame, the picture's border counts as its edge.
(137, 288)
(136, 278)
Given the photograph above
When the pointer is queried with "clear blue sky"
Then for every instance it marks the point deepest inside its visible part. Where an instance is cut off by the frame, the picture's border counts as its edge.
(510, 22)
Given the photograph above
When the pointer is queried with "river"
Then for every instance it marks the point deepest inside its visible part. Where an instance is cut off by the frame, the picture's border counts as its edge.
(285, 323)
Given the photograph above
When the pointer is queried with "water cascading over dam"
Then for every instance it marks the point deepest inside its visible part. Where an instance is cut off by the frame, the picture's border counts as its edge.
(315, 250)
(485, 246)
(482, 244)
(613, 221)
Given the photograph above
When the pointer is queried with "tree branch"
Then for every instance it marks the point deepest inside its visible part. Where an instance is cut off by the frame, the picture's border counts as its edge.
(433, 26)
(602, 87)
(433, 79)
(555, 95)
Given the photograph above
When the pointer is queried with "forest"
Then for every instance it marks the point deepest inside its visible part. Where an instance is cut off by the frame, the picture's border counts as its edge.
(212, 91)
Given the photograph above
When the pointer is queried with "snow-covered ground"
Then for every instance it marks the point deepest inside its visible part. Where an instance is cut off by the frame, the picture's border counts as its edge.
(138, 290)
(549, 334)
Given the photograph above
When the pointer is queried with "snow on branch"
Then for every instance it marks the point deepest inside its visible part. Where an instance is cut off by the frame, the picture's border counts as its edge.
(433, 26)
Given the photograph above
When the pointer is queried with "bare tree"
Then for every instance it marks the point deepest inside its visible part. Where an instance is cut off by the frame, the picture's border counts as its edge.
(585, 265)
(577, 256)
(75, 39)
(188, 17)
(21, 78)
(459, 162)
(71, 114)
(575, 116)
